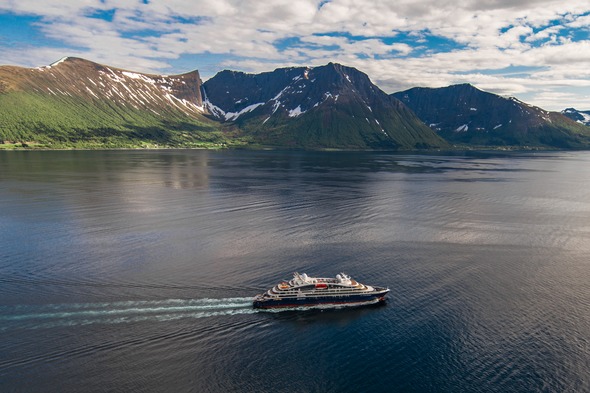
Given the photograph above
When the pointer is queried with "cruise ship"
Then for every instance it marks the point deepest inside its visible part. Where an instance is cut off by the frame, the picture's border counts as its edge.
(305, 291)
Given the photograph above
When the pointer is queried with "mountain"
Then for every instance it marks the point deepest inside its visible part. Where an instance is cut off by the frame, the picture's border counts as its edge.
(75, 102)
(462, 114)
(330, 106)
(79, 103)
(582, 117)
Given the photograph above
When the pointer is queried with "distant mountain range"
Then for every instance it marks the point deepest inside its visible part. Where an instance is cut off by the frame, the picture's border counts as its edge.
(464, 115)
(582, 117)
(78, 103)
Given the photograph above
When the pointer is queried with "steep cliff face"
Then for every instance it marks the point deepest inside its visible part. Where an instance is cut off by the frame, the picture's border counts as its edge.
(328, 106)
(463, 114)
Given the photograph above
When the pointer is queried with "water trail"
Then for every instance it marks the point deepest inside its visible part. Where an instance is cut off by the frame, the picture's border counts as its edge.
(56, 315)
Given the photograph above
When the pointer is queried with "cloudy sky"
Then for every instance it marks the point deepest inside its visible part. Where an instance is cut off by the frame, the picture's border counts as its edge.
(536, 50)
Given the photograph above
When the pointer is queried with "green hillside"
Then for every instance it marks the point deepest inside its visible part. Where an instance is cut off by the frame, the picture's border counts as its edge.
(76, 103)
(63, 121)
(344, 126)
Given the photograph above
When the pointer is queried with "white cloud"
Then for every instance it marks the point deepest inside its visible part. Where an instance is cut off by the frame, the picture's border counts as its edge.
(394, 42)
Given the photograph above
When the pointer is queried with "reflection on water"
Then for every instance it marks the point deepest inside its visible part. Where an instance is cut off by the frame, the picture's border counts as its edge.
(175, 169)
(134, 270)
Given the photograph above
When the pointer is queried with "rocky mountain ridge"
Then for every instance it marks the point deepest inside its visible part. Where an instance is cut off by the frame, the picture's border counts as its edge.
(326, 106)
(463, 114)
(83, 79)
(582, 117)
(76, 100)
(78, 103)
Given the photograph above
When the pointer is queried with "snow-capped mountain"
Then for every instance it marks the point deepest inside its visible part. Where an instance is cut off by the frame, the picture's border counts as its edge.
(466, 115)
(327, 106)
(582, 117)
(75, 77)
(81, 102)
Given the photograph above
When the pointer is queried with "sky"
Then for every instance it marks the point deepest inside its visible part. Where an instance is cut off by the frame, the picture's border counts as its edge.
(535, 50)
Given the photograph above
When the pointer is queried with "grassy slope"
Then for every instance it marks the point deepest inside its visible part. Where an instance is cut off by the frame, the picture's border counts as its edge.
(62, 121)
(560, 133)
(344, 126)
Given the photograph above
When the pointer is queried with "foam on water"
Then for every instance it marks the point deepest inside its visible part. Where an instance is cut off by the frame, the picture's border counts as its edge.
(78, 314)
(54, 315)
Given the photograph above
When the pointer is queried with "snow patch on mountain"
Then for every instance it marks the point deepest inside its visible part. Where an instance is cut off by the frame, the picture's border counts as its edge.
(281, 93)
(91, 92)
(379, 124)
(144, 78)
(58, 62)
(213, 109)
(234, 115)
(276, 106)
(296, 112)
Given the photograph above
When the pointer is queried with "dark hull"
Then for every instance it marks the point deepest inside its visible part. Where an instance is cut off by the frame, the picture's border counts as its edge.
(321, 301)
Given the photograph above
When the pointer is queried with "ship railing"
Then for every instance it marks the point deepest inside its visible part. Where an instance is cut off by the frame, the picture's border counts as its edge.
(321, 293)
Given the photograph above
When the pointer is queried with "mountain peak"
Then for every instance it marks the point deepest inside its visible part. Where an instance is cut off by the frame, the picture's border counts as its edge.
(336, 66)
(230, 72)
(59, 61)
(463, 87)
(87, 81)
(581, 117)
(324, 106)
(76, 99)
(339, 68)
(466, 115)
(71, 60)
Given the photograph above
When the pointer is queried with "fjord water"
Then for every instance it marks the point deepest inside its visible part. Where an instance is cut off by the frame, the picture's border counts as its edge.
(134, 271)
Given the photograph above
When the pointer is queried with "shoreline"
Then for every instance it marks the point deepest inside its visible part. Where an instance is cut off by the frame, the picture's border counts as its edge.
(456, 149)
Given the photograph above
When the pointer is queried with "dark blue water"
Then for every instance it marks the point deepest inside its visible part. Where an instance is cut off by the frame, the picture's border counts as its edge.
(134, 271)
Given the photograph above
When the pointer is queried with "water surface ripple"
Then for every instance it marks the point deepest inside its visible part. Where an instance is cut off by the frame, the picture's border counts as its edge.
(134, 271)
